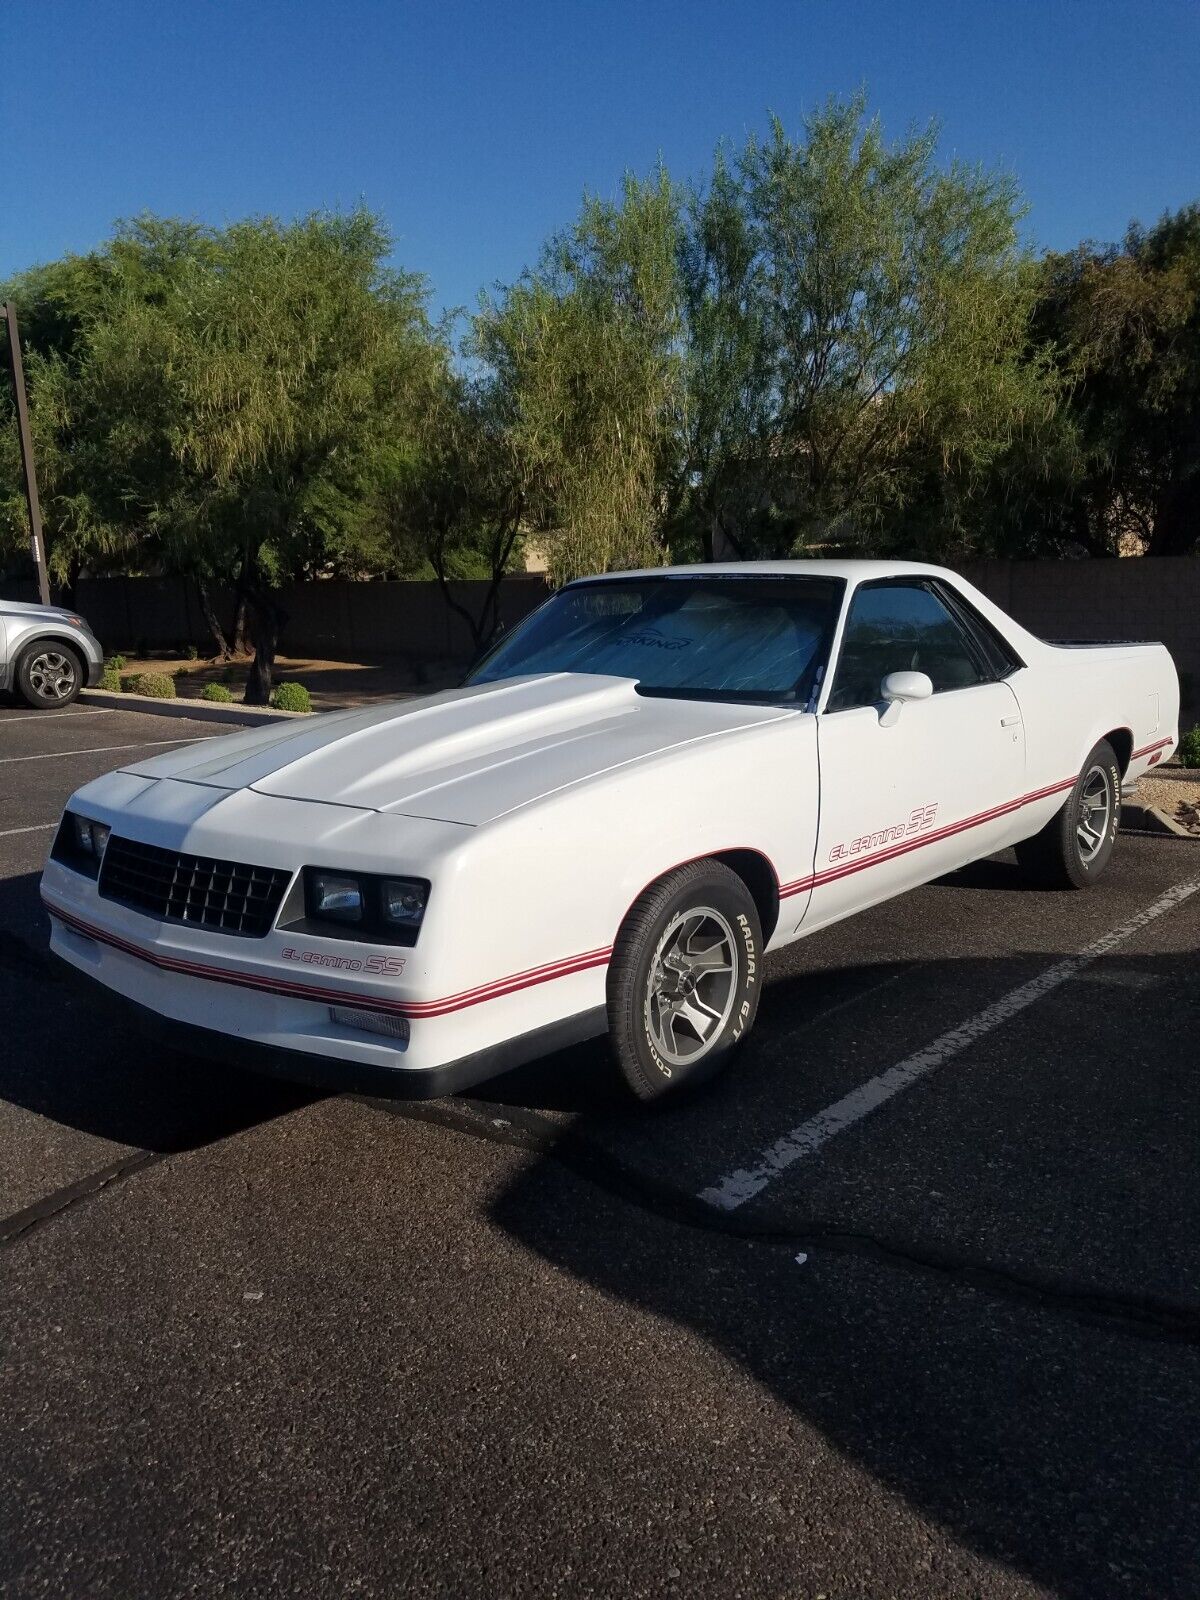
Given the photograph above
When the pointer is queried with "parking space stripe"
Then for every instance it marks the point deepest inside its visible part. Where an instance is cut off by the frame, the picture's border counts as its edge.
(35, 827)
(36, 716)
(105, 749)
(735, 1188)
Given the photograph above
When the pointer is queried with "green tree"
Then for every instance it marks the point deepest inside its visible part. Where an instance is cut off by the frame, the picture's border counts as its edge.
(856, 312)
(1124, 323)
(297, 361)
(224, 403)
(584, 355)
(456, 504)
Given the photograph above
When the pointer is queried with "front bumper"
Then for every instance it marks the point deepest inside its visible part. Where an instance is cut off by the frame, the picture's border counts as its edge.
(340, 1076)
(292, 1034)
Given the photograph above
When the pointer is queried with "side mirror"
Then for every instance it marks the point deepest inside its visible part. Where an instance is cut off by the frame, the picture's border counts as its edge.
(899, 687)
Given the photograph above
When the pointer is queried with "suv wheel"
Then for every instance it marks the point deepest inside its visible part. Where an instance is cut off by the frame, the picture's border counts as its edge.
(49, 674)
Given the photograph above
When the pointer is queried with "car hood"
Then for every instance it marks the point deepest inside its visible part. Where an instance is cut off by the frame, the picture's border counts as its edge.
(30, 608)
(465, 756)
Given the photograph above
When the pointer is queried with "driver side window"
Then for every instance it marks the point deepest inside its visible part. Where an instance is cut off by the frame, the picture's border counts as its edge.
(899, 627)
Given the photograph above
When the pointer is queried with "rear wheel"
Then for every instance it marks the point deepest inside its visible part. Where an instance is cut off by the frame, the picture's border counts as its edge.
(684, 979)
(1073, 849)
(49, 674)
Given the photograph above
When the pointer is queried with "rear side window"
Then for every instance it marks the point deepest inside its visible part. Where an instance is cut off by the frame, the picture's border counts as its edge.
(900, 627)
(1000, 656)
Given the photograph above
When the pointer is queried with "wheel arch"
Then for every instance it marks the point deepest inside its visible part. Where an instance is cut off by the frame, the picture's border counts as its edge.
(755, 870)
(759, 876)
(1121, 740)
(49, 636)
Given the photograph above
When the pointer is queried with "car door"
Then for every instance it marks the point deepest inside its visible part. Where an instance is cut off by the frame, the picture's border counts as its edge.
(906, 798)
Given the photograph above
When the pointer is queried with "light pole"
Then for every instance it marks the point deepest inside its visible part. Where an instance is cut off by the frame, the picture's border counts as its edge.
(37, 545)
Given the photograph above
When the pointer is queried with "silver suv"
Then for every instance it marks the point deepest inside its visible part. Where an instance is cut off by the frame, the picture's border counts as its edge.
(46, 654)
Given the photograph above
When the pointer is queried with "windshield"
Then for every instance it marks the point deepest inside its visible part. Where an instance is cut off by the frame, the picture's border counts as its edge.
(709, 638)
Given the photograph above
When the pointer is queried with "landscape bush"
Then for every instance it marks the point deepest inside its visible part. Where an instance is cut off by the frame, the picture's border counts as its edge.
(216, 691)
(115, 664)
(157, 684)
(110, 679)
(1189, 748)
(291, 697)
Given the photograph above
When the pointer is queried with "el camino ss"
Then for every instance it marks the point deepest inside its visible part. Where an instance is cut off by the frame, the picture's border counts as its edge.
(654, 780)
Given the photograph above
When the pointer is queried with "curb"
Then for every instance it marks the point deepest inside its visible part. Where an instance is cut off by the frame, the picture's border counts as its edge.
(1149, 819)
(195, 710)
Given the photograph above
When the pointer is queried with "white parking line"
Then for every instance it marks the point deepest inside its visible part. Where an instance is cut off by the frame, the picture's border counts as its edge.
(96, 711)
(37, 827)
(105, 749)
(735, 1188)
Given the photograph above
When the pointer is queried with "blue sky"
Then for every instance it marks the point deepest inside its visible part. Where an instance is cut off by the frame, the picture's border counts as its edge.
(475, 127)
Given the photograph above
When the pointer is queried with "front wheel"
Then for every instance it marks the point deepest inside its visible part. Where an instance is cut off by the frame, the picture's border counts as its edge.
(49, 674)
(1073, 849)
(684, 979)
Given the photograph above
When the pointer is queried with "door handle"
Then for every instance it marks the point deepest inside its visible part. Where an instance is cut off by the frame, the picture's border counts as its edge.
(1009, 722)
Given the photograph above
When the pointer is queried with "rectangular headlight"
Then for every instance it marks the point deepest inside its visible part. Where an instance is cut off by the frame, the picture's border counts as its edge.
(335, 896)
(80, 843)
(364, 906)
(403, 901)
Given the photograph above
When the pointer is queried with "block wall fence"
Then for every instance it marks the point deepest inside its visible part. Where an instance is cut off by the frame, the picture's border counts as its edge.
(1132, 598)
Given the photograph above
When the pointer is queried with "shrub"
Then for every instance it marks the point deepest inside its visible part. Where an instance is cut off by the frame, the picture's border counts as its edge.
(152, 683)
(115, 664)
(1189, 748)
(192, 653)
(110, 679)
(216, 691)
(291, 697)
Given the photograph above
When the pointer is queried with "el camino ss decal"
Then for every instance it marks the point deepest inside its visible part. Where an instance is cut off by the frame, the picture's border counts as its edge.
(920, 820)
(380, 966)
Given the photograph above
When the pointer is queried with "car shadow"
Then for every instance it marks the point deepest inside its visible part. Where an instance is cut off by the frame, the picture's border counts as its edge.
(74, 1056)
(1042, 1437)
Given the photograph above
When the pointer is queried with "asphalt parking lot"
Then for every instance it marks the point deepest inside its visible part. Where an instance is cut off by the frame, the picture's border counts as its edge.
(909, 1306)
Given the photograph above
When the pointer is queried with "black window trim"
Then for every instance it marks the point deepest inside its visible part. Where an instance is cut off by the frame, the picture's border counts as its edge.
(985, 634)
(934, 586)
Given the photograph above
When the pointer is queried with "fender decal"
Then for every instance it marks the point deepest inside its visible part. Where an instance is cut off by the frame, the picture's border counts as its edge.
(307, 991)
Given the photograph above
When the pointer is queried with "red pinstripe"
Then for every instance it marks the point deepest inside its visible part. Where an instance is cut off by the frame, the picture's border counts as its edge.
(533, 975)
(308, 991)
(904, 846)
(1147, 749)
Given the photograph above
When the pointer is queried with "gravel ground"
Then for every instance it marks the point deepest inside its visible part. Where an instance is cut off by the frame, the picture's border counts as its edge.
(1176, 792)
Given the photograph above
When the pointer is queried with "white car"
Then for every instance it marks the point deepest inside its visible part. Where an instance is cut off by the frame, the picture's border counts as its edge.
(651, 782)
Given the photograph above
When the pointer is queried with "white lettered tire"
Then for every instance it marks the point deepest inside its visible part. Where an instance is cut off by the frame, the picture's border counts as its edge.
(684, 979)
(1074, 847)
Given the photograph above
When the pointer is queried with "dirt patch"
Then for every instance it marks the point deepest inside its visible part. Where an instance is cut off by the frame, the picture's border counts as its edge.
(333, 685)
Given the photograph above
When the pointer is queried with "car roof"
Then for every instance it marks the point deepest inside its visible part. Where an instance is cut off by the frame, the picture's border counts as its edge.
(850, 571)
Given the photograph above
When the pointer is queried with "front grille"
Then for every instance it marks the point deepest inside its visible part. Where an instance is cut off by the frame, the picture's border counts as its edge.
(226, 896)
